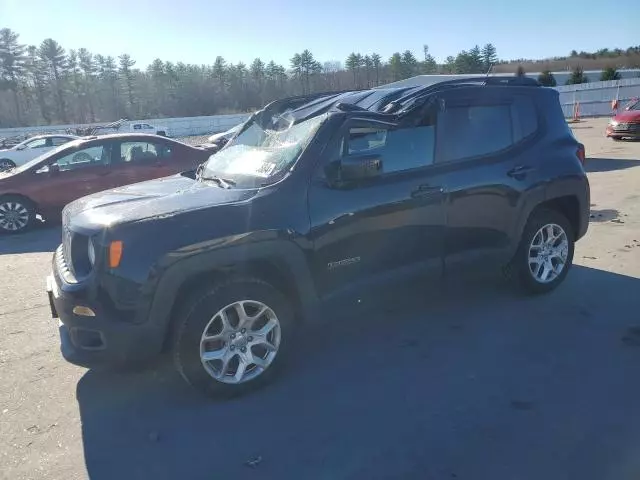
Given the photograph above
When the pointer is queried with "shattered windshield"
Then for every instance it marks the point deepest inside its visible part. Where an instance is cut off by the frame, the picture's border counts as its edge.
(261, 153)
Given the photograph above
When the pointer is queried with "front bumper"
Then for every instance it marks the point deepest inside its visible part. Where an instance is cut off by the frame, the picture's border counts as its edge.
(100, 340)
(627, 130)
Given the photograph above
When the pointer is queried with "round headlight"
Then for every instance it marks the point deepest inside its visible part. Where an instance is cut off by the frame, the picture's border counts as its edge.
(613, 123)
(91, 252)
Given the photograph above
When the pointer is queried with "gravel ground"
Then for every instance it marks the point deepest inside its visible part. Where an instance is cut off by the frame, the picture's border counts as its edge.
(467, 381)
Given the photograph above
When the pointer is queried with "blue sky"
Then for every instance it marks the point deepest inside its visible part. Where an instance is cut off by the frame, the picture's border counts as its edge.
(196, 31)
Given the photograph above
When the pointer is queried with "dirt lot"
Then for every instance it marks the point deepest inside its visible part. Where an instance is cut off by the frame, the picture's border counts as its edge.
(469, 381)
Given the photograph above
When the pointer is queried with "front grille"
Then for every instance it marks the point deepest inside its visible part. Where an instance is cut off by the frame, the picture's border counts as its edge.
(627, 128)
(63, 267)
(72, 257)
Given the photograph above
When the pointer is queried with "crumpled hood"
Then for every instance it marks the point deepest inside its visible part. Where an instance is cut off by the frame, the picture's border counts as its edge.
(155, 198)
(627, 116)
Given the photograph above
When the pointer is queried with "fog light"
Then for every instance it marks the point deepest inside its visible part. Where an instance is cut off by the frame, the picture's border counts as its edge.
(83, 311)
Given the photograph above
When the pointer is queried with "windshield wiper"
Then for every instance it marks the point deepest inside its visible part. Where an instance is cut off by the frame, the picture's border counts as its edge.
(221, 182)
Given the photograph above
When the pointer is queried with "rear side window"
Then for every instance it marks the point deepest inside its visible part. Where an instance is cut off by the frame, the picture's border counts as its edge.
(475, 130)
(468, 131)
(524, 118)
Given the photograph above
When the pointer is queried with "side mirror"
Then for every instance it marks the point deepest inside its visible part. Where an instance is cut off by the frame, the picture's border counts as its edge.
(358, 167)
(54, 169)
(21, 147)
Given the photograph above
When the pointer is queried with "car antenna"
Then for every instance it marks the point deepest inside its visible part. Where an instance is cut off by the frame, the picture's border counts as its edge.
(488, 72)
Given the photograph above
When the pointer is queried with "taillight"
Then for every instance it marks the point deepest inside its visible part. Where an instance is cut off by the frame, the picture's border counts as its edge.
(581, 154)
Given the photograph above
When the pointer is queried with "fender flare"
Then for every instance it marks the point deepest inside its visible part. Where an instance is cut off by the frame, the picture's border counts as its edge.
(285, 255)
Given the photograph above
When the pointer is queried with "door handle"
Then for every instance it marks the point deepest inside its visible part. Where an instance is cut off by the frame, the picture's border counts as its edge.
(520, 172)
(427, 190)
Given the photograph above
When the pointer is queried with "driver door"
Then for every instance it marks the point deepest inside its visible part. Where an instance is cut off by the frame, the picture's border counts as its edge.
(376, 228)
(74, 175)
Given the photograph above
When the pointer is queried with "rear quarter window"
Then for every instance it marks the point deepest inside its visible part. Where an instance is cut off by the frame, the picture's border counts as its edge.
(524, 117)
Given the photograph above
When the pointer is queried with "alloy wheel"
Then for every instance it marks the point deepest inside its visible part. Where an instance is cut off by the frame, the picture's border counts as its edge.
(240, 342)
(14, 216)
(548, 253)
(6, 165)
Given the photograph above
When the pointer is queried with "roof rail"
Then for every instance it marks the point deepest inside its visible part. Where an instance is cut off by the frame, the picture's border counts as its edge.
(434, 87)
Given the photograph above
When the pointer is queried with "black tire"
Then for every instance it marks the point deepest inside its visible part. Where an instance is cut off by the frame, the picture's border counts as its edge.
(6, 164)
(519, 265)
(9, 202)
(201, 308)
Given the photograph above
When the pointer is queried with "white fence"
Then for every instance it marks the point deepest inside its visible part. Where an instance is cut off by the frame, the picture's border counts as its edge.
(595, 98)
(177, 127)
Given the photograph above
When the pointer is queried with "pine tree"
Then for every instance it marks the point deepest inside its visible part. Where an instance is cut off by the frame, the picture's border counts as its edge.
(376, 59)
(577, 76)
(52, 55)
(396, 66)
(429, 65)
(547, 79)
(609, 73)
(489, 56)
(351, 63)
(126, 75)
(409, 64)
(12, 66)
(88, 67)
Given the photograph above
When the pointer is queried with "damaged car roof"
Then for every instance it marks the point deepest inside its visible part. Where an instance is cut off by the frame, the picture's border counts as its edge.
(390, 102)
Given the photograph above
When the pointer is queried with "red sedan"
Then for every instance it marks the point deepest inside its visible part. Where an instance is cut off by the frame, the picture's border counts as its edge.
(625, 124)
(47, 183)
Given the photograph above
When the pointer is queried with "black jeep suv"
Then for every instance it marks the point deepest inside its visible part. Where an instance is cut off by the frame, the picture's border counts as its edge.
(313, 197)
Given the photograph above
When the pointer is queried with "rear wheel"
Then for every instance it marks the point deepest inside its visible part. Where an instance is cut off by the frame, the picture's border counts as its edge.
(233, 338)
(16, 214)
(545, 253)
(6, 164)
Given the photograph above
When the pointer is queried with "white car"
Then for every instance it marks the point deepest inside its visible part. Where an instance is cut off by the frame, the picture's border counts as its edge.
(141, 127)
(223, 137)
(30, 149)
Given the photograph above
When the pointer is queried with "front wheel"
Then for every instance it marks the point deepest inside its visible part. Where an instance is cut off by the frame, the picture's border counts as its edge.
(545, 253)
(233, 337)
(16, 214)
(6, 164)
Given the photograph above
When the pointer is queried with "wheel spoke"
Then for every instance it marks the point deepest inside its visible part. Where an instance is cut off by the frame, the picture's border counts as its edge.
(252, 320)
(266, 328)
(242, 314)
(259, 361)
(242, 367)
(224, 318)
(212, 338)
(214, 355)
(226, 360)
(550, 234)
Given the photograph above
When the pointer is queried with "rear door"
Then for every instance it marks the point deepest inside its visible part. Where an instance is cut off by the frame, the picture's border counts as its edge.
(143, 159)
(483, 141)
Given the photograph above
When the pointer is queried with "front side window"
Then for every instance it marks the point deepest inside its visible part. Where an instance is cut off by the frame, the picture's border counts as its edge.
(87, 157)
(140, 152)
(399, 149)
(137, 126)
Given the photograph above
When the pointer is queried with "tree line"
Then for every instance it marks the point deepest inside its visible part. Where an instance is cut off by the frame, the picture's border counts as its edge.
(46, 84)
